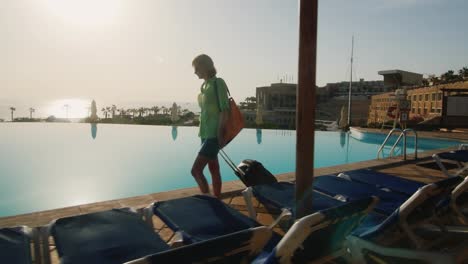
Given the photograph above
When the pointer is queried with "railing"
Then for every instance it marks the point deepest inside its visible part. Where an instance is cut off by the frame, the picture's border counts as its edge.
(403, 134)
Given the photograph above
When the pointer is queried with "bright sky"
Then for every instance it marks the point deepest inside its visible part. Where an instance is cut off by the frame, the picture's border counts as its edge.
(121, 51)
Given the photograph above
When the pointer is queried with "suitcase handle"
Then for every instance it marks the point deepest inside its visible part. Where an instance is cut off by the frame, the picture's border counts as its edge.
(230, 163)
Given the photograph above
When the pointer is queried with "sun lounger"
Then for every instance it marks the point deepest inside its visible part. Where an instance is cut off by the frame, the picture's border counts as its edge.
(349, 191)
(232, 248)
(200, 218)
(15, 245)
(320, 236)
(383, 181)
(119, 236)
(280, 195)
(459, 156)
(113, 236)
(409, 234)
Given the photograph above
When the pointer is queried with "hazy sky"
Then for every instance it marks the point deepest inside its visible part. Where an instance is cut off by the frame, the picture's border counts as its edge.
(121, 51)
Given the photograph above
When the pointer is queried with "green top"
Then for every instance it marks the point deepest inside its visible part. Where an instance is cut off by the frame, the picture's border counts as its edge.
(209, 116)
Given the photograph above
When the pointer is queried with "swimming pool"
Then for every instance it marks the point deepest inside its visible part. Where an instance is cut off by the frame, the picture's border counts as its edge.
(51, 165)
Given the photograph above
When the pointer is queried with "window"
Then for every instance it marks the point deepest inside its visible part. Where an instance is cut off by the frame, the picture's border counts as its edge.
(425, 111)
(420, 97)
(419, 110)
(414, 97)
(439, 96)
(439, 110)
(426, 97)
(414, 110)
(433, 97)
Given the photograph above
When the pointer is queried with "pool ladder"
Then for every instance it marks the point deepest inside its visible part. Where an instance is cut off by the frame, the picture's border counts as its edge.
(403, 134)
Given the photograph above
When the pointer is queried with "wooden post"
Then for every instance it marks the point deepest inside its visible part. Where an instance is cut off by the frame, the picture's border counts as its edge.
(305, 108)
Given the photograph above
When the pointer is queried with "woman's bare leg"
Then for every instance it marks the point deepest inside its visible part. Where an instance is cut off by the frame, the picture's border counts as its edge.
(213, 165)
(197, 173)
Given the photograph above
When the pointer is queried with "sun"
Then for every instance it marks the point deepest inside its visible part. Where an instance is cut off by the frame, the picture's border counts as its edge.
(69, 108)
(86, 12)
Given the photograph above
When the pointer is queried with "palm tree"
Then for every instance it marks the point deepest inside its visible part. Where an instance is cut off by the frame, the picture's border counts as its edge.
(155, 110)
(448, 76)
(104, 111)
(463, 72)
(134, 111)
(164, 110)
(12, 110)
(113, 109)
(122, 112)
(141, 111)
(31, 110)
(433, 79)
(108, 109)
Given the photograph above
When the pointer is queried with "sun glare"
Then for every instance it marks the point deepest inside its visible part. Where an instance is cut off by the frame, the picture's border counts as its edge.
(69, 108)
(86, 12)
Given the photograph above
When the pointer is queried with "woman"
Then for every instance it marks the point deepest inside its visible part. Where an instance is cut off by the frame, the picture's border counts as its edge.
(213, 101)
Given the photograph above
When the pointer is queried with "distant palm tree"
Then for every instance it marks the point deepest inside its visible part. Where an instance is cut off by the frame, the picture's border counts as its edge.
(104, 111)
(12, 110)
(122, 112)
(31, 110)
(133, 111)
(141, 111)
(155, 110)
(108, 109)
(164, 110)
(113, 109)
(463, 72)
(434, 79)
(448, 76)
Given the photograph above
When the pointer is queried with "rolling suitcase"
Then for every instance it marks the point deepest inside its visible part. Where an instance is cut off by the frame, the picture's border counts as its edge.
(250, 172)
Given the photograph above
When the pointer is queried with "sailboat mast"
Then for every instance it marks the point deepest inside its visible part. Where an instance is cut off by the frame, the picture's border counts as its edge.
(350, 82)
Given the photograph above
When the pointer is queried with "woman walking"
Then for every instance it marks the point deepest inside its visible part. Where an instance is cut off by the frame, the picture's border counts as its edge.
(213, 101)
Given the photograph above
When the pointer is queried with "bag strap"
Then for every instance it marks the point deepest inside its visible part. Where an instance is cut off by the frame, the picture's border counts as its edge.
(217, 95)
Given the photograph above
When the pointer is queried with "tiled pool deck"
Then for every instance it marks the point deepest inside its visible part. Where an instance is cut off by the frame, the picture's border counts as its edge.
(424, 169)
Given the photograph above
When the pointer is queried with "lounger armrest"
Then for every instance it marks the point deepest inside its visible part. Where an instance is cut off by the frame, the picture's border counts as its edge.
(360, 248)
(177, 240)
(463, 146)
(148, 215)
(248, 196)
(286, 214)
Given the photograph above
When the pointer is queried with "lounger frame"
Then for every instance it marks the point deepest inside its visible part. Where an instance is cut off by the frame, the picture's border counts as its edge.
(462, 167)
(421, 250)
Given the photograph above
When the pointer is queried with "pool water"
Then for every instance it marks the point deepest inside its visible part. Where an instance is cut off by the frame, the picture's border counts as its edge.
(50, 165)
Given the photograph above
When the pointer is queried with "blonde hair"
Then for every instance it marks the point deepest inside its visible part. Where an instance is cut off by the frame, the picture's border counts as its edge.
(206, 62)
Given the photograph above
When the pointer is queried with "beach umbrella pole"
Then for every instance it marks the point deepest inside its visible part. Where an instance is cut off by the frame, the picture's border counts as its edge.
(305, 107)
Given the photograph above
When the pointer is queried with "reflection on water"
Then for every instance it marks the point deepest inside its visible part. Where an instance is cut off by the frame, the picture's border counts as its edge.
(346, 134)
(93, 130)
(343, 139)
(174, 132)
(259, 136)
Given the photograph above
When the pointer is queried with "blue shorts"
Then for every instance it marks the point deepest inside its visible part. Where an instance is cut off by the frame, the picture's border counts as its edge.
(209, 148)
